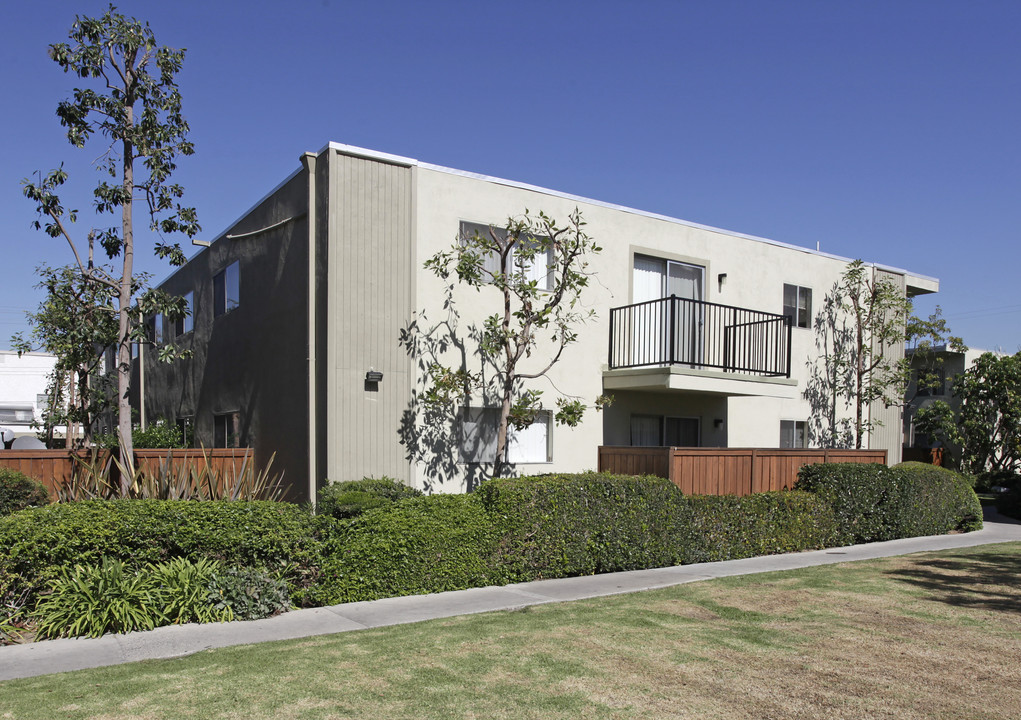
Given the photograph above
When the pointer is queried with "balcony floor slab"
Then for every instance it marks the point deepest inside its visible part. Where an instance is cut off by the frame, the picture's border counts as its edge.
(686, 379)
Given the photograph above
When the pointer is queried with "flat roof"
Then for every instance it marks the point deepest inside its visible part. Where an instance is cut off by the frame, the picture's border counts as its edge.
(917, 284)
(920, 284)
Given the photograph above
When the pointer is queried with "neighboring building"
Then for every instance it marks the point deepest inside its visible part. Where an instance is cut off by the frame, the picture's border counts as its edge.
(23, 396)
(945, 364)
(321, 285)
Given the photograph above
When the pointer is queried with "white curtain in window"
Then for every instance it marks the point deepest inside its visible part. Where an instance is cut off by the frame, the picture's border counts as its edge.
(531, 444)
(647, 331)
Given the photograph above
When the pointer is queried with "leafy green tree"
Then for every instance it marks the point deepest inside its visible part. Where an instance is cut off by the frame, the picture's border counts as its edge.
(73, 321)
(860, 335)
(532, 305)
(879, 311)
(987, 428)
(925, 337)
(137, 109)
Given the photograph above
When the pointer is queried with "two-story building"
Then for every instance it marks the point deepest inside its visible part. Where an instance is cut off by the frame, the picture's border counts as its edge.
(314, 325)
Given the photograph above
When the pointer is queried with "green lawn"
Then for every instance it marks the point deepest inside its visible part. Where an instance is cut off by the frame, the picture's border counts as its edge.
(922, 636)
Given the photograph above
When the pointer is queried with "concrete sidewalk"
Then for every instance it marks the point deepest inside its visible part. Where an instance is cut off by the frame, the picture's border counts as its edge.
(53, 656)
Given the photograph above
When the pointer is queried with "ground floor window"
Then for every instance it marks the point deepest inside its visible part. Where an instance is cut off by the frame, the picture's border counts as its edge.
(226, 430)
(478, 431)
(660, 430)
(793, 434)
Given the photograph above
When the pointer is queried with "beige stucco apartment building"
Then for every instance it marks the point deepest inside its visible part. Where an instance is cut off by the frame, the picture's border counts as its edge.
(320, 288)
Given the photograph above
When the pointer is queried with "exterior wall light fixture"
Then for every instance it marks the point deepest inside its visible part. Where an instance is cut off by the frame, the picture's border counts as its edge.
(373, 376)
(721, 279)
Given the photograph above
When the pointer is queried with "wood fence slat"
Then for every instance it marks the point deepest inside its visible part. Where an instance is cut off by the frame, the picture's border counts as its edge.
(726, 471)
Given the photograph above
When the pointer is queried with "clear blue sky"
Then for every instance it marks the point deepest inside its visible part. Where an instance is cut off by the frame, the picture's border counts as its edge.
(889, 131)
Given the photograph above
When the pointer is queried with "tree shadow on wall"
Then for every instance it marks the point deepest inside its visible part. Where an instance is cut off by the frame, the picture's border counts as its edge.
(433, 434)
(831, 376)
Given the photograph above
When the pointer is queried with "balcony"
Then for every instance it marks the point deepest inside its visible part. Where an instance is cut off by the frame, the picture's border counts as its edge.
(677, 336)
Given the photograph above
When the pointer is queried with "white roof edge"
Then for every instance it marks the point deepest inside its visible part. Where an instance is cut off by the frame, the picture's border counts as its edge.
(921, 282)
(411, 162)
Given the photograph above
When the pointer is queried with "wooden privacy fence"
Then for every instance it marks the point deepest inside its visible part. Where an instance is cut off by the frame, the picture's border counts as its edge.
(54, 467)
(725, 471)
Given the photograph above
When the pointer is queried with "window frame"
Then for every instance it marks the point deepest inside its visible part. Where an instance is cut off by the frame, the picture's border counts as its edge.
(223, 304)
(469, 228)
(792, 427)
(231, 417)
(489, 448)
(186, 323)
(794, 312)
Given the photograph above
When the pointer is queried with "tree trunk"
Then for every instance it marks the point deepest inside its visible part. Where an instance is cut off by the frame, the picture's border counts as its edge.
(501, 429)
(127, 450)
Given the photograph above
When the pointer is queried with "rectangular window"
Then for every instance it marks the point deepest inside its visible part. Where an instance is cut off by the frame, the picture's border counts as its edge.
(156, 328)
(226, 430)
(109, 360)
(646, 430)
(16, 415)
(186, 324)
(226, 289)
(528, 445)
(538, 269)
(797, 305)
(186, 427)
(793, 434)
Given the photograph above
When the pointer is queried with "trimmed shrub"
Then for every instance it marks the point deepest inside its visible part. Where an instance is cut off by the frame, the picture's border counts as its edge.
(39, 542)
(937, 501)
(414, 546)
(728, 527)
(564, 525)
(864, 498)
(18, 491)
(352, 498)
(349, 503)
(872, 502)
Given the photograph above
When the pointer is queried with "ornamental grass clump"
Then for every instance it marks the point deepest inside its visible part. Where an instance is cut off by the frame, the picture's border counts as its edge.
(98, 477)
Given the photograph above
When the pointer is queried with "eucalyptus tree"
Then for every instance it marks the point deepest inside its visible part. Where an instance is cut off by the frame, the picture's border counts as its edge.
(132, 106)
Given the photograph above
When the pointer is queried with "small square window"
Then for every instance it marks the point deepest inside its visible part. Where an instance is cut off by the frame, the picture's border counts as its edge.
(186, 323)
(227, 289)
(797, 305)
(226, 430)
(793, 434)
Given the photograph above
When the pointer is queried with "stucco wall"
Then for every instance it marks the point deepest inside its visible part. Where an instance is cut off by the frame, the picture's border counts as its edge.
(251, 360)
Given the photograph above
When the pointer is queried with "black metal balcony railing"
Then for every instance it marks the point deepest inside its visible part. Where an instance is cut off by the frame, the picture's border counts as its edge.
(678, 331)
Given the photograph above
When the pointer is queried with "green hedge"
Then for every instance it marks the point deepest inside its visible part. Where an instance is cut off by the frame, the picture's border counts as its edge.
(18, 491)
(352, 498)
(279, 537)
(873, 502)
(414, 546)
(564, 525)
